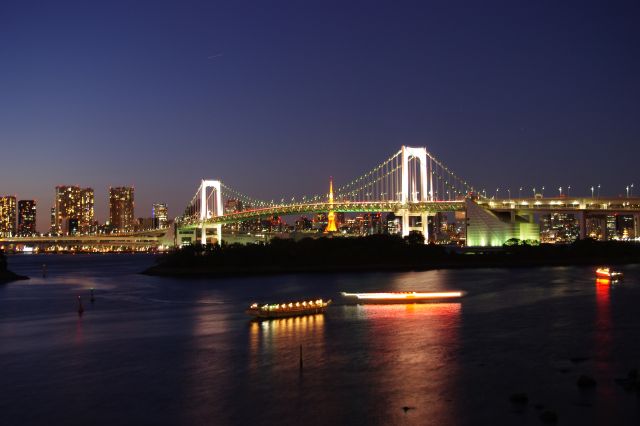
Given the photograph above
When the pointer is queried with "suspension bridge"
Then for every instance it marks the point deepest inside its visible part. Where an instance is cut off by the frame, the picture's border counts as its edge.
(414, 185)
(411, 183)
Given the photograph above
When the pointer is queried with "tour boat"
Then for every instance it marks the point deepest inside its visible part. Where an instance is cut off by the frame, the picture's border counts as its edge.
(402, 297)
(608, 273)
(291, 309)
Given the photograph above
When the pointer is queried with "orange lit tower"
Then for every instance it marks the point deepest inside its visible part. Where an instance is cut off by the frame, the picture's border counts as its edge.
(331, 217)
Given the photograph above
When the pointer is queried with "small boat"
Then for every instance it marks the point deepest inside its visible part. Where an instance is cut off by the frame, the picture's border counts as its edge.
(402, 297)
(608, 273)
(291, 309)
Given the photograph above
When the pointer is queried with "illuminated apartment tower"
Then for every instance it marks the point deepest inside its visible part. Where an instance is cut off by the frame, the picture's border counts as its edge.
(121, 208)
(26, 218)
(7, 216)
(74, 205)
(86, 210)
(160, 217)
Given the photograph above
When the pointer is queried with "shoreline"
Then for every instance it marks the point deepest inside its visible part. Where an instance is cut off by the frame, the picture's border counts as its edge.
(8, 276)
(377, 253)
(208, 272)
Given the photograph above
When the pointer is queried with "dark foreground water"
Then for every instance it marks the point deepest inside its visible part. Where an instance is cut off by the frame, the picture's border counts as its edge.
(163, 351)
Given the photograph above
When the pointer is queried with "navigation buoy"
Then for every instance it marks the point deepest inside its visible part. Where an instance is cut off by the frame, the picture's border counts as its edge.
(80, 308)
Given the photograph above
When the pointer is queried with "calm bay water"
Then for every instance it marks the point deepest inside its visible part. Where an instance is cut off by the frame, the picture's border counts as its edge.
(167, 351)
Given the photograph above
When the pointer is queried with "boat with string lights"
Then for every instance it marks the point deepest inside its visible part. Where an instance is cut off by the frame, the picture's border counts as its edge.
(290, 309)
(402, 297)
(608, 273)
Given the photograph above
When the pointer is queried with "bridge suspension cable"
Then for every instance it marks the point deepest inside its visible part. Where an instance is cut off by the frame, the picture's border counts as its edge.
(409, 175)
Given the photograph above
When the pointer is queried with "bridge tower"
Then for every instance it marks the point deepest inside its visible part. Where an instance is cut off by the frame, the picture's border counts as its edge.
(210, 206)
(416, 187)
(331, 217)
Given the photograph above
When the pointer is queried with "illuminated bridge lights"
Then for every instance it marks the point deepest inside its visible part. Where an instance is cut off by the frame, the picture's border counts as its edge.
(339, 206)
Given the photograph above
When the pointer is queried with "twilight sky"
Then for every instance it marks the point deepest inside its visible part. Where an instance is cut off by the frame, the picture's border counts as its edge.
(273, 97)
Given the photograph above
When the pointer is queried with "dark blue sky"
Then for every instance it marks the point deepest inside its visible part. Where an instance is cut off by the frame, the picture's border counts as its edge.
(273, 97)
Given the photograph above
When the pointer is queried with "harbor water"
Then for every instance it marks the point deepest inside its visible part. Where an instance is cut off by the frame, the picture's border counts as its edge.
(168, 351)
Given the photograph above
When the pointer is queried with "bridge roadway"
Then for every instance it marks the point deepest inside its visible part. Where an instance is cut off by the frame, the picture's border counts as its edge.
(532, 205)
(589, 206)
(337, 206)
(142, 238)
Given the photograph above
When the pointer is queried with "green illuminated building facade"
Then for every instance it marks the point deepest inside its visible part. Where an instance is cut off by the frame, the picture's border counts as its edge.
(488, 229)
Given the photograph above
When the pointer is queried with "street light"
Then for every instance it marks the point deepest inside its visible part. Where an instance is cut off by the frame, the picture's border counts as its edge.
(568, 189)
(520, 193)
(542, 192)
(591, 191)
(560, 189)
(627, 191)
(534, 192)
(497, 191)
(631, 190)
(598, 190)
(509, 191)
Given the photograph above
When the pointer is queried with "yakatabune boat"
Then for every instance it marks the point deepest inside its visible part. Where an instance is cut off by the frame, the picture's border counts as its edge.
(608, 273)
(402, 297)
(291, 309)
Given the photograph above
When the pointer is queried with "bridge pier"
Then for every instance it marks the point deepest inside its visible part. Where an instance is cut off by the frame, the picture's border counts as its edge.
(582, 224)
(203, 233)
(408, 226)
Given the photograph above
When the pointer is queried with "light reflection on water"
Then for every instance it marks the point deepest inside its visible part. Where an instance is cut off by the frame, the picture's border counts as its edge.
(167, 351)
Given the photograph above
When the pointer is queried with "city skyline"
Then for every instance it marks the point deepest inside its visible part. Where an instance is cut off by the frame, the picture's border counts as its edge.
(275, 103)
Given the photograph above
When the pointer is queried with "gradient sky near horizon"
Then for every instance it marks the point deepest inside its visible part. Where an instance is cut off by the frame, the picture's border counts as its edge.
(274, 97)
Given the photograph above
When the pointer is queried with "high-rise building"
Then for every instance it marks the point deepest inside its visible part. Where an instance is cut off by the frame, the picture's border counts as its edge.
(121, 214)
(73, 204)
(26, 218)
(160, 215)
(52, 229)
(7, 216)
(233, 206)
(559, 228)
(612, 231)
(86, 210)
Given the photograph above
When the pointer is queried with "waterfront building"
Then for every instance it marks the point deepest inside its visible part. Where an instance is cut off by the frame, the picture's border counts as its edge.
(52, 228)
(625, 225)
(7, 216)
(26, 218)
(73, 226)
(559, 228)
(85, 220)
(489, 229)
(76, 204)
(160, 215)
(596, 226)
(392, 224)
(121, 208)
(611, 227)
